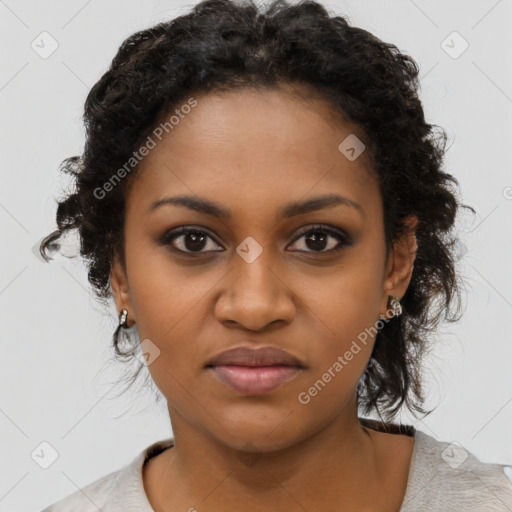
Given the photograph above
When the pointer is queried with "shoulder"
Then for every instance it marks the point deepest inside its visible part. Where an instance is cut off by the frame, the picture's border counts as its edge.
(118, 491)
(96, 496)
(446, 476)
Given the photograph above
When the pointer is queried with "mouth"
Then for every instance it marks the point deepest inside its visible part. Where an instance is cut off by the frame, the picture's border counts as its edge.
(254, 380)
(254, 371)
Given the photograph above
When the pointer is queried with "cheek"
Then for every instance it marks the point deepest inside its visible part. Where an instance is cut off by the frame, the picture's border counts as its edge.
(339, 362)
(347, 314)
(348, 302)
(178, 362)
(165, 303)
(161, 293)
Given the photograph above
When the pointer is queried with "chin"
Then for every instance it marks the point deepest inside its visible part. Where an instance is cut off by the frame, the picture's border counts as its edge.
(258, 432)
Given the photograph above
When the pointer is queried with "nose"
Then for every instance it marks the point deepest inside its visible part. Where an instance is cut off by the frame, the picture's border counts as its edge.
(255, 295)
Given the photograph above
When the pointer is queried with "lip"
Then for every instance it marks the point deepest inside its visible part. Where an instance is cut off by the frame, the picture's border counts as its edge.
(254, 380)
(246, 356)
(254, 371)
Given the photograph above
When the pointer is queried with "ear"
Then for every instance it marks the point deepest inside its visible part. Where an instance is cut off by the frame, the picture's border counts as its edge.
(400, 264)
(120, 290)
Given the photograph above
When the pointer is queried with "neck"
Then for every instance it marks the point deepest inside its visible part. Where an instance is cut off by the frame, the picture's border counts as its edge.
(336, 468)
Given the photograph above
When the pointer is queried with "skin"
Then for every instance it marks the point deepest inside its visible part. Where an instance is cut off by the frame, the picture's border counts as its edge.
(252, 152)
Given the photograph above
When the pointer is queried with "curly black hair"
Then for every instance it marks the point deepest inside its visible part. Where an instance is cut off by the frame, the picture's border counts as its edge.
(225, 44)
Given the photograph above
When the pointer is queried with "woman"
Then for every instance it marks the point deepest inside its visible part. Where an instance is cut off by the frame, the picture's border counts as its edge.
(263, 199)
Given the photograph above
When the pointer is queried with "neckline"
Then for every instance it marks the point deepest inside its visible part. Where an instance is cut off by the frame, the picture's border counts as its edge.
(388, 428)
(409, 431)
(133, 497)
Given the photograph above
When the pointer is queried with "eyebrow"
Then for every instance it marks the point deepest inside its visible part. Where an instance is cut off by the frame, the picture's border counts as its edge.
(203, 205)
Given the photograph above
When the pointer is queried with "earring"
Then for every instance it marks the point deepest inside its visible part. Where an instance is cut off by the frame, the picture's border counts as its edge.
(122, 318)
(394, 304)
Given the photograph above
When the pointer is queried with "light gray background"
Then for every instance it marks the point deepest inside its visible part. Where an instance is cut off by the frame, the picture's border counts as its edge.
(56, 383)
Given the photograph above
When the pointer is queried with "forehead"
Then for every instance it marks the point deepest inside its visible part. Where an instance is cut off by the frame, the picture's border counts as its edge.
(263, 147)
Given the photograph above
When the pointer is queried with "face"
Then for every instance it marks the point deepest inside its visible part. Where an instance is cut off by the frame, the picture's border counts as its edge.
(309, 281)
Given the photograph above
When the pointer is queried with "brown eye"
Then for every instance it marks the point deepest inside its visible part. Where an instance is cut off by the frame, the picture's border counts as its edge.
(189, 240)
(320, 238)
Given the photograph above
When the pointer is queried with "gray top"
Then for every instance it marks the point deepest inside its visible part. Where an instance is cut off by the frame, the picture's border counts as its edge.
(442, 477)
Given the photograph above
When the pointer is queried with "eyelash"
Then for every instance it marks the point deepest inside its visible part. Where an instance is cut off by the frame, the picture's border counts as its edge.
(343, 238)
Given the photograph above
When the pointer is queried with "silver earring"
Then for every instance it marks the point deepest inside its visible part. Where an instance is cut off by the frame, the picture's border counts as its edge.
(394, 304)
(122, 318)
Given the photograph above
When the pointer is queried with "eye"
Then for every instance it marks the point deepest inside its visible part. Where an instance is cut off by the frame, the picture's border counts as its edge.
(190, 240)
(318, 236)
